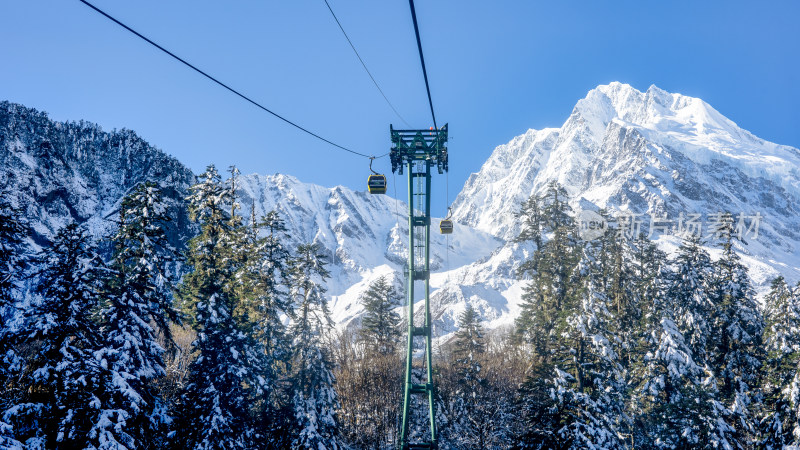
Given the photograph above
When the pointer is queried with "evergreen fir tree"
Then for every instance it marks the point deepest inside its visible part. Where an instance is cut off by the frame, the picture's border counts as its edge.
(541, 416)
(590, 384)
(13, 230)
(138, 296)
(225, 377)
(781, 404)
(549, 294)
(472, 415)
(680, 395)
(556, 212)
(266, 301)
(679, 408)
(737, 328)
(315, 400)
(531, 231)
(62, 377)
(692, 296)
(380, 325)
(649, 273)
(620, 282)
(547, 301)
(531, 220)
(12, 264)
(573, 397)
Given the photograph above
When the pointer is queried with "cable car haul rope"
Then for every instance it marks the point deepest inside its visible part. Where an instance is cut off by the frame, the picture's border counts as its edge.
(220, 83)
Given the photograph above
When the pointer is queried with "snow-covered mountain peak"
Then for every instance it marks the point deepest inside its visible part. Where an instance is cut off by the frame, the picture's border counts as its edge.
(655, 154)
(654, 109)
(701, 132)
(619, 141)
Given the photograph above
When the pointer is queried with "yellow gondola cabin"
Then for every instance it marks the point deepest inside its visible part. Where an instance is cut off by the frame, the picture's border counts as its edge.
(376, 183)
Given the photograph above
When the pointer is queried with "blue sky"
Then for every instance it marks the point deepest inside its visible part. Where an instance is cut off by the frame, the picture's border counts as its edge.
(495, 68)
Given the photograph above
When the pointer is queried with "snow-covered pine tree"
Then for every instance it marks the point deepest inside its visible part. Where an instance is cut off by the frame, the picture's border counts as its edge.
(226, 376)
(62, 377)
(679, 392)
(648, 272)
(265, 302)
(12, 264)
(780, 384)
(315, 400)
(678, 409)
(138, 295)
(531, 220)
(380, 325)
(532, 231)
(590, 385)
(13, 231)
(547, 299)
(550, 269)
(737, 328)
(690, 293)
(269, 273)
(473, 411)
(619, 280)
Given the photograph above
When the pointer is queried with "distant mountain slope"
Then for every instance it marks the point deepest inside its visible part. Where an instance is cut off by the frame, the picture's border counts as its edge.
(364, 236)
(61, 172)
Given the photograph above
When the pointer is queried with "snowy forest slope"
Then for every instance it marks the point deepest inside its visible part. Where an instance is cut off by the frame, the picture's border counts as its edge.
(63, 172)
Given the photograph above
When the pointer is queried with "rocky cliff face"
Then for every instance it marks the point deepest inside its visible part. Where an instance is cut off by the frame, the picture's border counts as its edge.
(63, 172)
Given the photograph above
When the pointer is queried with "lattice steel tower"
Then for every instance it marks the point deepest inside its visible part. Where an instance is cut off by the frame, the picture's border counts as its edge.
(419, 151)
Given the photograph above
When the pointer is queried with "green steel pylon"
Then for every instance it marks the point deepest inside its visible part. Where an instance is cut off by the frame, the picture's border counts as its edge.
(419, 151)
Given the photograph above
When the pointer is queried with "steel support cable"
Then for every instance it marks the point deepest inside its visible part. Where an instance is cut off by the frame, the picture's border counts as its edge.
(234, 91)
(421, 60)
(363, 64)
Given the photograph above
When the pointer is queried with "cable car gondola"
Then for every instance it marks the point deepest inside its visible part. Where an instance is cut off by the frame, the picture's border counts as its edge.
(446, 226)
(376, 183)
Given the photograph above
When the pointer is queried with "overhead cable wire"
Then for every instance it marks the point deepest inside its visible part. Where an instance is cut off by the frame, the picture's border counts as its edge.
(421, 60)
(234, 91)
(363, 64)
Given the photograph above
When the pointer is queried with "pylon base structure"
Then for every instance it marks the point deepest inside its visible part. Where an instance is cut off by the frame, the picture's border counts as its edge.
(418, 151)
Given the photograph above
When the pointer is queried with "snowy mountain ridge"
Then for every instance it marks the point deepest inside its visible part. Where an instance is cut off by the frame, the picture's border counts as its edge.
(702, 133)
(649, 153)
(363, 236)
